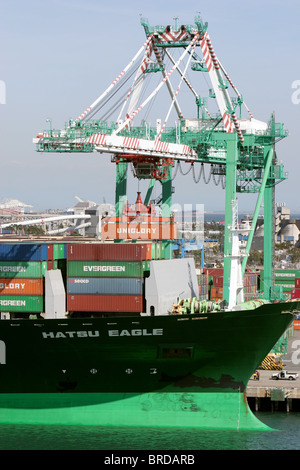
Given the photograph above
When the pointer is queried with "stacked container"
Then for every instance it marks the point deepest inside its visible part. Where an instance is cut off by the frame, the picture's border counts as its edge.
(22, 271)
(213, 278)
(21, 277)
(251, 285)
(284, 278)
(106, 277)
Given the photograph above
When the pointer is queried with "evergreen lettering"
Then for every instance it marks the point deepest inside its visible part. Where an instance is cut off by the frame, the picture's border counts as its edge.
(104, 268)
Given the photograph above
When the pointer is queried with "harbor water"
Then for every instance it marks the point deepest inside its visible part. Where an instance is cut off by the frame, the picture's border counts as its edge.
(286, 436)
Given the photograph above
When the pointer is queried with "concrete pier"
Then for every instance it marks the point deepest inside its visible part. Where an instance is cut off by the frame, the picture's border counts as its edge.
(282, 395)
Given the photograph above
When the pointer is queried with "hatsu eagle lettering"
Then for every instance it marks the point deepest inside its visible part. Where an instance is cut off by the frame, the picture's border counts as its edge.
(95, 334)
(136, 332)
(70, 334)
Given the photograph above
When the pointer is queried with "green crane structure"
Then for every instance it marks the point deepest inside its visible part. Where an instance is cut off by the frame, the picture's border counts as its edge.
(241, 149)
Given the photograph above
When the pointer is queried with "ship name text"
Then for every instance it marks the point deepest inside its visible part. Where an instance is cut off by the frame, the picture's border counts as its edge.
(136, 332)
(95, 334)
(70, 334)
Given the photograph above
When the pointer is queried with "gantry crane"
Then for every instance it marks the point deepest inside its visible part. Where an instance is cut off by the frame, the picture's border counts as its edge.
(240, 149)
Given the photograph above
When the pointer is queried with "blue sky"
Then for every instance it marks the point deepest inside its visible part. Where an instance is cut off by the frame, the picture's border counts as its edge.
(57, 57)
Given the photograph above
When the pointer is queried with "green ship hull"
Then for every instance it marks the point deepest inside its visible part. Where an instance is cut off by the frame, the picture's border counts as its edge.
(174, 370)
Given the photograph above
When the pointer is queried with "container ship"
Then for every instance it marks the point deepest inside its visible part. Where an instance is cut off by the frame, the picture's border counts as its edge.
(113, 331)
(101, 333)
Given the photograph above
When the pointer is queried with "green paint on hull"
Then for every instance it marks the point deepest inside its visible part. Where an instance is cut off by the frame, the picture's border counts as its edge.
(191, 410)
(185, 370)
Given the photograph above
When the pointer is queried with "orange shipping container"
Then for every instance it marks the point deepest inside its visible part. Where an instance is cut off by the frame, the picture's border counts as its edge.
(216, 293)
(139, 231)
(296, 324)
(21, 286)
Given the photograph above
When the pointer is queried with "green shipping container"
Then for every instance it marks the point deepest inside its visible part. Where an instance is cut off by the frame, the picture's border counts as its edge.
(105, 268)
(283, 275)
(23, 269)
(21, 303)
(146, 265)
(59, 251)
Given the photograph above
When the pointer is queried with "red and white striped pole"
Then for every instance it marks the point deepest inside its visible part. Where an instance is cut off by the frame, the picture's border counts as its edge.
(223, 98)
(134, 113)
(98, 100)
(176, 93)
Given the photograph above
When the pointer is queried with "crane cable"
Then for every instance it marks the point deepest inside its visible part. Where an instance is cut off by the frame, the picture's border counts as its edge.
(221, 180)
(111, 95)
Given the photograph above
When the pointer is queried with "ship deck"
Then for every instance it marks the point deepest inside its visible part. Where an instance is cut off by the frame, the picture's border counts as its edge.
(267, 394)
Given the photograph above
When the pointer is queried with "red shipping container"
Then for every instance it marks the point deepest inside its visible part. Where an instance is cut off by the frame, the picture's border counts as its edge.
(218, 281)
(295, 293)
(109, 251)
(104, 303)
(297, 282)
(213, 271)
(21, 286)
(50, 265)
(49, 252)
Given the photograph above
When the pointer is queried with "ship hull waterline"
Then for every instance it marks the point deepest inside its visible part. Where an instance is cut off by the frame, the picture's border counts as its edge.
(181, 371)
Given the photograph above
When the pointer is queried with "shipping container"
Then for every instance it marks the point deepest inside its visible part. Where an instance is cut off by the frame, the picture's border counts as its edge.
(250, 279)
(23, 252)
(104, 303)
(105, 285)
(157, 250)
(21, 286)
(146, 266)
(284, 274)
(297, 282)
(21, 303)
(216, 293)
(295, 293)
(50, 264)
(296, 324)
(50, 252)
(218, 281)
(105, 269)
(60, 251)
(109, 251)
(56, 251)
(22, 269)
(139, 231)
